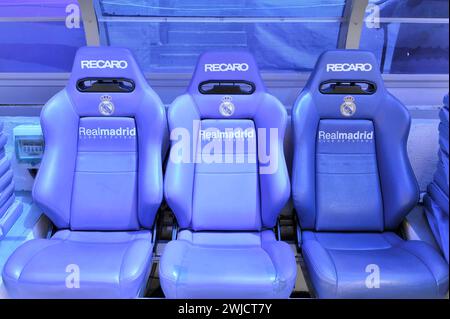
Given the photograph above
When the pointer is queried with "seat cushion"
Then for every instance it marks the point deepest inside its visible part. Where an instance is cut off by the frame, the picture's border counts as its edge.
(227, 265)
(346, 265)
(107, 264)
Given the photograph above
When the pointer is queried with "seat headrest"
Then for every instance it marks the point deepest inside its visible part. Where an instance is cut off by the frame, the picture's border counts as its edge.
(108, 75)
(226, 66)
(106, 62)
(346, 84)
(226, 78)
(346, 65)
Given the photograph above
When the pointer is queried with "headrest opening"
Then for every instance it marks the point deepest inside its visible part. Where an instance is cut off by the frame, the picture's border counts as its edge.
(232, 87)
(348, 87)
(105, 69)
(351, 72)
(226, 72)
(100, 84)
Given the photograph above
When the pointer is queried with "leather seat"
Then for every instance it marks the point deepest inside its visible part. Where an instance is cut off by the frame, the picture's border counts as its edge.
(114, 265)
(226, 201)
(238, 265)
(340, 264)
(353, 185)
(100, 183)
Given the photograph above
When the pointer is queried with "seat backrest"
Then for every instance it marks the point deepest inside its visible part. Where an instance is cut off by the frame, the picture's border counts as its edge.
(351, 170)
(217, 177)
(104, 136)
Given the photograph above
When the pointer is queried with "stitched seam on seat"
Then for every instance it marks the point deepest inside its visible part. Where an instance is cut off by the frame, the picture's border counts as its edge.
(360, 249)
(389, 241)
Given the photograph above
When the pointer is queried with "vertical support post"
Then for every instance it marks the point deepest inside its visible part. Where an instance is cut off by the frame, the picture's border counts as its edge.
(351, 28)
(90, 22)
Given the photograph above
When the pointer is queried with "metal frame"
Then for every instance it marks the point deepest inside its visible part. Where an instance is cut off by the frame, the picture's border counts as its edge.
(353, 21)
(90, 22)
(32, 19)
(154, 19)
(413, 20)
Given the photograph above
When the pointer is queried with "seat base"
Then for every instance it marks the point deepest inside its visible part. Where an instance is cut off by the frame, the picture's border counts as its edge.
(227, 265)
(81, 265)
(373, 265)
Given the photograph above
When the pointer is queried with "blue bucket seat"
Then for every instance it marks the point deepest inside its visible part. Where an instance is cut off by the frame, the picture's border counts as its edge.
(353, 185)
(100, 182)
(225, 194)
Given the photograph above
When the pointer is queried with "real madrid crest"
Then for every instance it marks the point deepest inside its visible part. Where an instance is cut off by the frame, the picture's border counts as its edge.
(106, 106)
(226, 108)
(348, 108)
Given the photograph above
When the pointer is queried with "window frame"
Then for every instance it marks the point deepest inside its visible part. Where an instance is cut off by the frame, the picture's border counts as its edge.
(41, 86)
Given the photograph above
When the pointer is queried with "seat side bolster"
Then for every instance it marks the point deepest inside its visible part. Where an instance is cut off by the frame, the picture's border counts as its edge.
(179, 176)
(400, 190)
(151, 143)
(52, 190)
(323, 271)
(18, 261)
(171, 266)
(283, 260)
(22, 255)
(433, 261)
(136, 266)
(274, 179)
(305, 121)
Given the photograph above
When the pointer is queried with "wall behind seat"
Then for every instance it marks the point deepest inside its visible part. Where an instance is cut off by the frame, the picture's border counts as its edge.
(22, 178)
